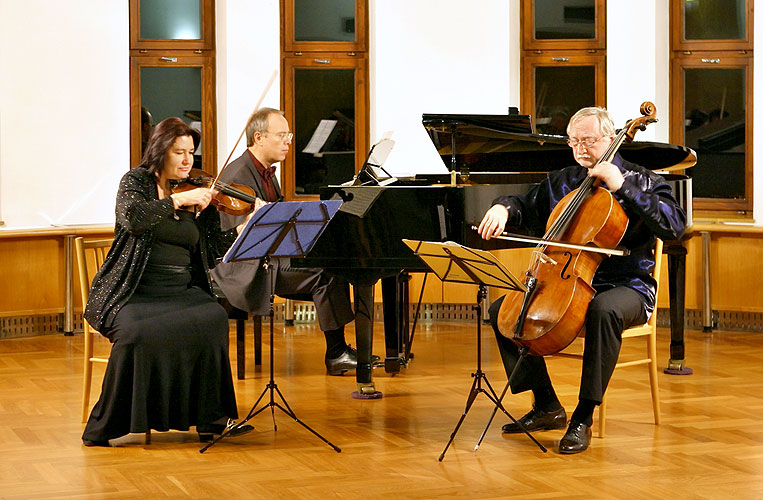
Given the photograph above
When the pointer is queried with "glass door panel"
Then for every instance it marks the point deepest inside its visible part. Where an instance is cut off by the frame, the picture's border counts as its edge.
(170, 19)
(559, 93)
(324, 25)
(563, 25)
(173, 85)
(715, 127)
(327, 124)
(555, 20)
(714, 19)
(324, 20)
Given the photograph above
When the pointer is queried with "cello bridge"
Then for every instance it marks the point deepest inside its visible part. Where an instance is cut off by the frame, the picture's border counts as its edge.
(545, 259)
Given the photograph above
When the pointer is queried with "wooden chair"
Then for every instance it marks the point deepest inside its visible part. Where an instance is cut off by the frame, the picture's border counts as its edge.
(649, 331)
(90, 257)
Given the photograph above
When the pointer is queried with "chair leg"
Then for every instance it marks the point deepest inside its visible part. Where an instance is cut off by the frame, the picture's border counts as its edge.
(257, 322)
(148, 436)
(241, 348)
(88, 374)
(602, 416)
(651, 343)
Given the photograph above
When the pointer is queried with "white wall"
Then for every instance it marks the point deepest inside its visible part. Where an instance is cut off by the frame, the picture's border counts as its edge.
(64, 97)
(631, 68)
(435, 56)
(248, 59)
(64, 110)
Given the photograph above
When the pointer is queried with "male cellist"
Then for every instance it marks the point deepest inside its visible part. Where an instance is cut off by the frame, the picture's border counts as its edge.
(625, 289)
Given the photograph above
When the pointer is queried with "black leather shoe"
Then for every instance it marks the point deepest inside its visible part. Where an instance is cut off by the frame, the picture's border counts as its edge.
(538, 420)
(89, 442)
(346, 361)
(576, 439)
(207, 432)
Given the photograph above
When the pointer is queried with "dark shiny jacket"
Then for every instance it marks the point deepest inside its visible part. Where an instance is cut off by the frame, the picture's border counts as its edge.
(647, 200)
(138, 211)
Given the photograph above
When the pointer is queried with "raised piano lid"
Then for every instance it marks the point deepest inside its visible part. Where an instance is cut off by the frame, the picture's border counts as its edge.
(505, 143)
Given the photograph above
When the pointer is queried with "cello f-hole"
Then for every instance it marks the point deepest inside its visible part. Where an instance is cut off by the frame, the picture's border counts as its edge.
(567, 254)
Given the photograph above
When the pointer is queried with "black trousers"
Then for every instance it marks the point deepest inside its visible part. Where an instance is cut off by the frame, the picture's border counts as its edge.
(609, 313)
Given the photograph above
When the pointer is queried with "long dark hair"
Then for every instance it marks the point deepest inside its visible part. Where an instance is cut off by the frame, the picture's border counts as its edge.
(162, 139)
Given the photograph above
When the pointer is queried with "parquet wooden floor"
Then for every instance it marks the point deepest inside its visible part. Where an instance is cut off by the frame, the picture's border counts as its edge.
(709, 446)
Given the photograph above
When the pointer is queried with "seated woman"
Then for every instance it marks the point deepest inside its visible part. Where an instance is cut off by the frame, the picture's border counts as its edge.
(169, 366)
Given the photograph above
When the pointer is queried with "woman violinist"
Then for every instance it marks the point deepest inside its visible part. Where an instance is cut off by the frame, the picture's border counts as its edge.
(625, 290)
(169, 366)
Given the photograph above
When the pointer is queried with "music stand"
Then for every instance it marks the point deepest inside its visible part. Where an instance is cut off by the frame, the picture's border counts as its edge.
(459, 264)
(279, 230)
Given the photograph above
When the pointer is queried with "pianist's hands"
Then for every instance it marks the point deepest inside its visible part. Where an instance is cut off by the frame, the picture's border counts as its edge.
(494, 222)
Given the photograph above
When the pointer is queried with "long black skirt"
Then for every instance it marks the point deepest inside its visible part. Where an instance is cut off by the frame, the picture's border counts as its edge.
(169, 365)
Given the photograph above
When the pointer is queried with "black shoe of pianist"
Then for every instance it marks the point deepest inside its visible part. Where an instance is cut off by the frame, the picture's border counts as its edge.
(346, 361)
(208, 432)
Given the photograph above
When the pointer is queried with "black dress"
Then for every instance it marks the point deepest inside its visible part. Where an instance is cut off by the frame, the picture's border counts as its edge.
(169, 365)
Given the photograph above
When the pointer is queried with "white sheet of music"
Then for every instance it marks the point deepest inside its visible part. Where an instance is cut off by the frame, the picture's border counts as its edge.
(320, 136)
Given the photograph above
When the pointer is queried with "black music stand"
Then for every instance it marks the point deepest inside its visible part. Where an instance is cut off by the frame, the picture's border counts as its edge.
(459, 264)
(279, 230)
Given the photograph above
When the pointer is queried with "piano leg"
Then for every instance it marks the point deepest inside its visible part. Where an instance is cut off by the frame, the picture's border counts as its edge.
(364, 334)
(677, 284)
(396, 324)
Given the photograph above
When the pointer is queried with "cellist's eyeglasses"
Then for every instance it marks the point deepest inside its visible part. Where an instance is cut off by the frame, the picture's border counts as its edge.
(585, 141)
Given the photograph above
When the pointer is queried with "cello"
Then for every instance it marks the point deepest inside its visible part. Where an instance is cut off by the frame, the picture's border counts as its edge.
(551, 313)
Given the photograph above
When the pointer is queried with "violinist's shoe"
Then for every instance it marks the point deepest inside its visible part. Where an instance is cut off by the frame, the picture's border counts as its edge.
(576, 439)
(538, 420)
(207, 432)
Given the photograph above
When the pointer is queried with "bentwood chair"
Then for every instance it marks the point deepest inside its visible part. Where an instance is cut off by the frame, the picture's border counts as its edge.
(648, 331)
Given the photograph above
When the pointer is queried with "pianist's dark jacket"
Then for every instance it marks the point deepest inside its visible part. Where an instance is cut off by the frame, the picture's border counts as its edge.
(648, 202)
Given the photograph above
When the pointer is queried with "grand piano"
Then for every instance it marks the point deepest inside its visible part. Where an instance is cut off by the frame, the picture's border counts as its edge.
(487, 156)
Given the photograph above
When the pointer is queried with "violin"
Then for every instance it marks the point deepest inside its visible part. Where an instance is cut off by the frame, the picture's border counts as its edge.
(548, 316)
(232, 199)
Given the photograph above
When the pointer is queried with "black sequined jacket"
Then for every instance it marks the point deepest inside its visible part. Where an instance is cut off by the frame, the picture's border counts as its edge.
(648, 202)
(138, 211)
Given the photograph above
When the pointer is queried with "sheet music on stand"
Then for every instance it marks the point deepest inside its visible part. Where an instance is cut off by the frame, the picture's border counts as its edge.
(459, 264)
(482, 267)
(306, 220)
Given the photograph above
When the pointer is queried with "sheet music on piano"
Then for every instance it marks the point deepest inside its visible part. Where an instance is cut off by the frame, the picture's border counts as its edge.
(372, 173)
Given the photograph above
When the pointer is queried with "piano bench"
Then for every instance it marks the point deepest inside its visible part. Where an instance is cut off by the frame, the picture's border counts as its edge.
(240, 317)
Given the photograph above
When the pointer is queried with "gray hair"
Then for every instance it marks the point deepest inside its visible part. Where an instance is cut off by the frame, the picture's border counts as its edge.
(258, 122)
(606, 124)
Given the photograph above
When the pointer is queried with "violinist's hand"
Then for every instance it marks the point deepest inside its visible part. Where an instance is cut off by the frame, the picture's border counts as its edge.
(199, 197)
(609, 174)
(494, 222)
(258, 204)
(241, 226)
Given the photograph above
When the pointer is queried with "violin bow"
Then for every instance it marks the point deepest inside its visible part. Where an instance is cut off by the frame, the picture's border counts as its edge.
(256, 107)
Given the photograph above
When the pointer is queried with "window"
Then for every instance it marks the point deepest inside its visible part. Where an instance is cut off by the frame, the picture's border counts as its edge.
(711, 79)
(325, 92)
(172, 72)
(563, 49)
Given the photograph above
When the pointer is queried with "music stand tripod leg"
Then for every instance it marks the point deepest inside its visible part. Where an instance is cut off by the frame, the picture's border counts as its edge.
(499, 405)
(478, 375)
(272, 388)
